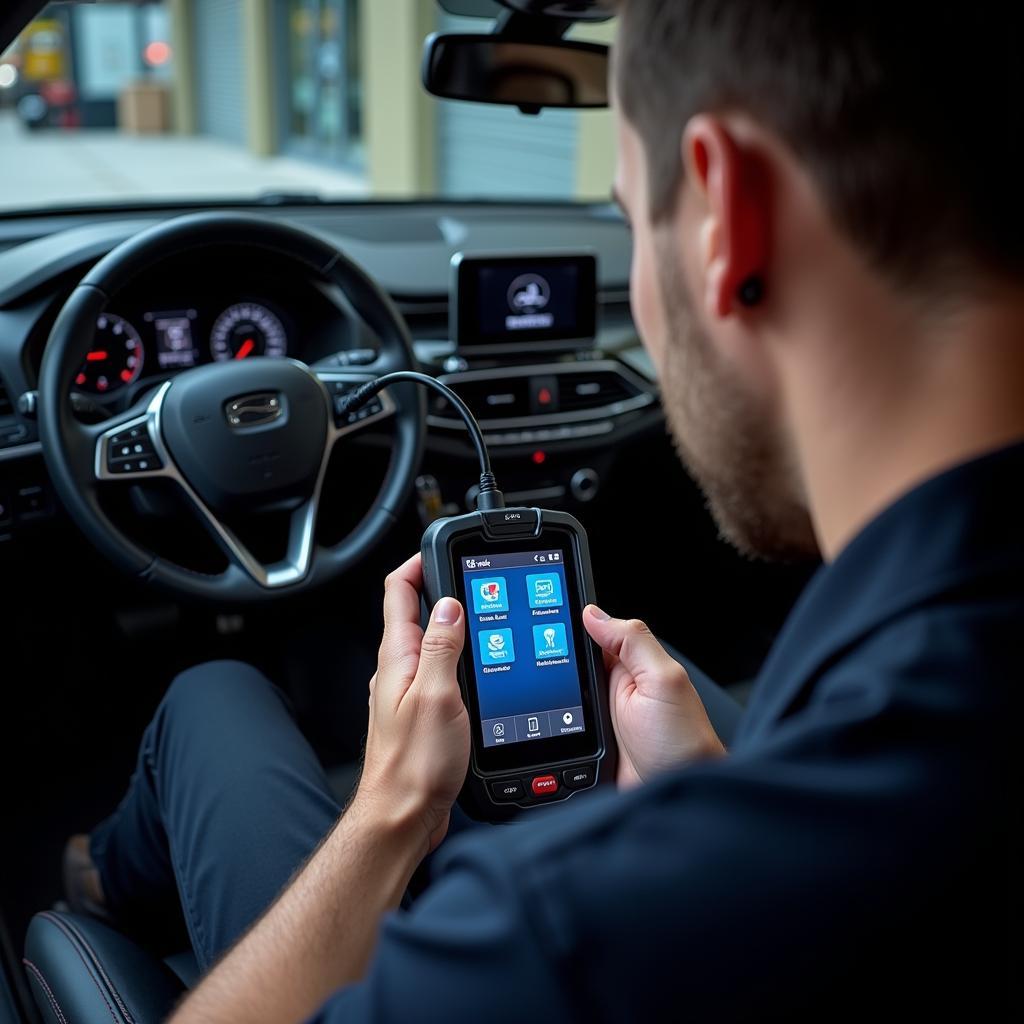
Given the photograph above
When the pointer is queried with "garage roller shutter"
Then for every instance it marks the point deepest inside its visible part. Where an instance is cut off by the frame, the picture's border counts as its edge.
(486, 150)
(217, 25)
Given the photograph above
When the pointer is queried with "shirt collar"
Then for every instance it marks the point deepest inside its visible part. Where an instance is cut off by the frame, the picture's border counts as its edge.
(964, 524)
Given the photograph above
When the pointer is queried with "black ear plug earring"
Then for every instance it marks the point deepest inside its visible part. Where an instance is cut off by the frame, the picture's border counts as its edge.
(751, 292)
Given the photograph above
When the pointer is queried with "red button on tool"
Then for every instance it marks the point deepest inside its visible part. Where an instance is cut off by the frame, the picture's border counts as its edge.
(544, 785)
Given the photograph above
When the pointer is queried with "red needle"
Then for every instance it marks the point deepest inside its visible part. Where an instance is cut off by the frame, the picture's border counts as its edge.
(96, 357)
(247, 346)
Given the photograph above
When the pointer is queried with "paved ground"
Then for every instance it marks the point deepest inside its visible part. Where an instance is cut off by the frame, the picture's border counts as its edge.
(57, 166)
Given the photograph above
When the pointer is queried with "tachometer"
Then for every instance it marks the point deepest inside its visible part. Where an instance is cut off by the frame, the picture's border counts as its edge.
(115, 358)
(245, 330)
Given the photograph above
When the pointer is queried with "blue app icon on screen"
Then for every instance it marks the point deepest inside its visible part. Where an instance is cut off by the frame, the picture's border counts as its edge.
(550, 641)
(544, 590)
(496, 646)
(489, 595)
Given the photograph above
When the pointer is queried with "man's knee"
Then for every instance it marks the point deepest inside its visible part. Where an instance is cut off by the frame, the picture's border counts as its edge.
(213, 691)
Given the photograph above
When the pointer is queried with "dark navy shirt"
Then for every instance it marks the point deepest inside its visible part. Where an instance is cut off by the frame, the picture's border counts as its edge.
(850, 859)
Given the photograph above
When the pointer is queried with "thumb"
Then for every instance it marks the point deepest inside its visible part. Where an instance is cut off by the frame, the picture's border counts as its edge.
(442, 644)
(636, 647)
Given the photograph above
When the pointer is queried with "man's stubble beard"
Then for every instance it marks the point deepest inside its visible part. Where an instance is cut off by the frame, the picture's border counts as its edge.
(727, 438)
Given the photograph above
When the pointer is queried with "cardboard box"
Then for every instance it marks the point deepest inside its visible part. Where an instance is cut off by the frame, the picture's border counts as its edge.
(143, 108)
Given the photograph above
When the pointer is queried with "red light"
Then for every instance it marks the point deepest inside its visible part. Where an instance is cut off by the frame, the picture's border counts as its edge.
(246, 347)
(96, 357)
(544, 396)
(156, 53)
(126, 375)
(80, 379)
(538, 458)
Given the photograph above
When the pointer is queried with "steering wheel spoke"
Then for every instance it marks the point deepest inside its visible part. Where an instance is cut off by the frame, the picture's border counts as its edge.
(132, 449)
(295, 565)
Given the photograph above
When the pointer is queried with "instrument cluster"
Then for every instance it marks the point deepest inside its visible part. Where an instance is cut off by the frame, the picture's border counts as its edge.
(167, 340)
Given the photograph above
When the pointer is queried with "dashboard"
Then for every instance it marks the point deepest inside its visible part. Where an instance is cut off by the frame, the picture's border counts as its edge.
(552, 417)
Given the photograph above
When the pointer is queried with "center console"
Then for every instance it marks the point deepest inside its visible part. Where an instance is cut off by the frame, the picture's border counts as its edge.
(528, 351)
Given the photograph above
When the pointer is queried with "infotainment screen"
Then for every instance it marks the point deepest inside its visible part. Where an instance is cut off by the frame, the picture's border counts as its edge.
(512, 301)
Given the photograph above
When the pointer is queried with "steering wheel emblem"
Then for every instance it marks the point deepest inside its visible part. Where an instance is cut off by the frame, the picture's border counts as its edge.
(254, 410)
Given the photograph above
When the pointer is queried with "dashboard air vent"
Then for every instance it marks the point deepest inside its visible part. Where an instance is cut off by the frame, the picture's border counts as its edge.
(489, 399)
(580, 391)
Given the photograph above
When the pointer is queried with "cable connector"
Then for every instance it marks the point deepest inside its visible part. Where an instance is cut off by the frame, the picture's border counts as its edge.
(489, 497)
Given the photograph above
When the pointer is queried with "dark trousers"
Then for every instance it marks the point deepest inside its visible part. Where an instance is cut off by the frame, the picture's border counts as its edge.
(227, 801)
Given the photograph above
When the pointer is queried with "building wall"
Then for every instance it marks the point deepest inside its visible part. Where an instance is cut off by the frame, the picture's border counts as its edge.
(259, 76)
(183, 90)
(595, 141)
(399, 119)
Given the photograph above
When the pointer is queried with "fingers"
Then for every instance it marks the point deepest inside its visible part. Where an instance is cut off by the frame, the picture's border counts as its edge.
(633, 644)
(400, 644)
(440, 650)
(402, 593)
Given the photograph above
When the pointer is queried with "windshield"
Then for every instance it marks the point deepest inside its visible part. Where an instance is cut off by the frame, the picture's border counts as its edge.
(194, 100)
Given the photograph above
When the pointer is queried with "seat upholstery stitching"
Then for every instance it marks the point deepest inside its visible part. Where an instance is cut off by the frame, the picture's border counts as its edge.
(79, 934)
(74, 945)
(54, 1005)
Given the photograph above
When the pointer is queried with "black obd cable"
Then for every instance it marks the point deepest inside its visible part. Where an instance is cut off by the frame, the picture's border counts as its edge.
(489, 497)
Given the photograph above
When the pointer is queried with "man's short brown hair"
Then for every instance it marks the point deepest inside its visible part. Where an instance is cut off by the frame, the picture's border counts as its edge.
(907, 114)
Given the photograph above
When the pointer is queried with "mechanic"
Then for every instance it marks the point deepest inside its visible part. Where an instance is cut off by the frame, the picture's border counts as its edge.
(828, 272)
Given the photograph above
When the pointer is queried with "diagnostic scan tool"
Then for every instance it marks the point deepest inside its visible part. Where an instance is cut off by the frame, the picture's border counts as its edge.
(531, 677)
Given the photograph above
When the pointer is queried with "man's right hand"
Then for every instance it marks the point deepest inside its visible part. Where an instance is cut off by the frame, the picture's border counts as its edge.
(659, 719)
(417, 745)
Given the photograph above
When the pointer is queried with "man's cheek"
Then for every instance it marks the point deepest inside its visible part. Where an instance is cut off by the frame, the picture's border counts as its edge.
(647, 312)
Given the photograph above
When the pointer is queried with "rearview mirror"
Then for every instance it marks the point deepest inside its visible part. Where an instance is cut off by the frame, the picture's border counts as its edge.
(528, 75)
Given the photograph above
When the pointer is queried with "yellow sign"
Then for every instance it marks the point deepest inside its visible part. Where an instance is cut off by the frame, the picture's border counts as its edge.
(42, 45)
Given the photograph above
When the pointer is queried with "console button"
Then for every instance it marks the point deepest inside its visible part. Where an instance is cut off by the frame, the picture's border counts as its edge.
(31, 503)
(584, 484)
(544, 785)
(132, 434)
(580, 777)
(507, 789)
(12, 434)
(125, 467)
(142, 462)
(544, 394)
(129, 449)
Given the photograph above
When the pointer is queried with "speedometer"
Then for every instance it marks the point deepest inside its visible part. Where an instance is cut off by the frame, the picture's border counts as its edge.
(247, 329)
(115, 359)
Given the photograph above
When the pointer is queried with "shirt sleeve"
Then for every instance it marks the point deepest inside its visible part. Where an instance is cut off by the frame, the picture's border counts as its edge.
(466, 951)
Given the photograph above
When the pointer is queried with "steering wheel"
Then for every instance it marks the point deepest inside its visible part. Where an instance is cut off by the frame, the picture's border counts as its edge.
(235, 437)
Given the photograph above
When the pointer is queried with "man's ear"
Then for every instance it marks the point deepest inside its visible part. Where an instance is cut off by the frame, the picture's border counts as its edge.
(734, 233)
